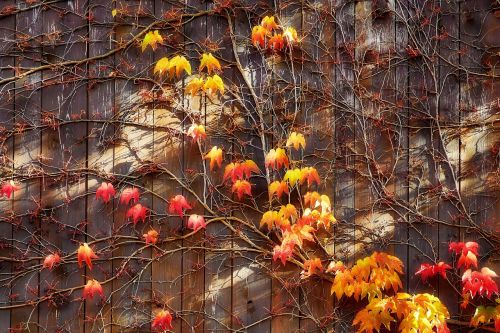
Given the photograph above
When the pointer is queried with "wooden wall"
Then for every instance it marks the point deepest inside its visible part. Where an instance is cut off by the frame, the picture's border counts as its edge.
(407, 145)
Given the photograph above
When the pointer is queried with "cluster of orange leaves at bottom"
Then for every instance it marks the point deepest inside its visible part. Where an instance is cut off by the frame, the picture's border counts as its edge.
(265, 34)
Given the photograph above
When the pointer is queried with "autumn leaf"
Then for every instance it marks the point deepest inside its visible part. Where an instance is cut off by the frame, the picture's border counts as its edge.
(240, 170)
(177, 65)
(194, 86)
(196, 222)
(269, 219)
(92, 288)
(296, 140)
(177, 204)
(269, 23)
(287, 211)
(162, 321)
(215, 156)
(151, 39)
(129, 194)
(283, 253)
(214, 84)
(161, 66)
(151, 237)
(8, 188)
(480, 282)
(486, 314)
(85, 254)
(293, 176)
(303, 232)
(276, 42)
(467, 251)
(278, 188)
(311, 175)
(197, 132)
(290, 35)
(259, 36)
(428, 270)
(137, 212)
(51, 260)
(335, 266)
(209, 62)
(242, 187)
(106, 191)
(276, 159)
(311, 266)
(113, 12)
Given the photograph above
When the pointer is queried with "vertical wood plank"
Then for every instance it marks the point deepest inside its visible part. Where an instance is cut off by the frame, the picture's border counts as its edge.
(27, 152)
(7, 117)
(100, 156)
(63, 146)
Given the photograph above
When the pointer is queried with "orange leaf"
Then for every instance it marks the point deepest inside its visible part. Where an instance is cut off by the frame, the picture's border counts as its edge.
(276, 42)
(197, 132)
(270, 218)
(92, 288)
(259, 36)
(162, 321)
(242, 187)
(85, 254)
(177, 204)
(276, 159)
(194, 86)
(278, 187)
(51, 260)
(210, 62)
(311, 266)
(215, 156)
(151, 237)
(268, 23)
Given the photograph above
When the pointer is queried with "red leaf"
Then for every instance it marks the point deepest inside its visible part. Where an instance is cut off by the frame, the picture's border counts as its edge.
(130, 193)
(106, 191)
(8, 188)
(468, 252)
(91, 288)
(85, 254)
(177, 204)
(137, 212)
(196, 222)
(427, 270)
(162, 321)
(51, 260)
(282, 252)
(480, 283)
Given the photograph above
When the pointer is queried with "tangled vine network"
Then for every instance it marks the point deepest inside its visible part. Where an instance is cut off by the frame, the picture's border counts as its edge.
(192, 166)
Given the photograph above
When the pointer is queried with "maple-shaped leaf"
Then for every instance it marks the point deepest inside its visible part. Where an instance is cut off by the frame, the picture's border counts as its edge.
(290, 35)
(283, 253)
(177, 204)
(303, 232)
(137, 212)
(278, 188)
(276, 159)
(151, 237)
(214, 84)
(468, 253)
(287, 211)
(106, 191)
(177, 65)
(197, 132)
(151, 39)
(162, 321)
(311, 175)
(259, 36)
(196, 222)
(240, 170)
(209, 62)
(242, 187)
(8, 188)
(293, 176)
(92, 288)
(129, 194)
(248, 167)
(428, 270)
(194, 86)
(276, 42)
(85, 254)
(215, 157)
(296, 140)
(162, 66)
(269, 219)
(51, 260)
(480, 282)
(311, 266)
(269, 23)
(486, 314)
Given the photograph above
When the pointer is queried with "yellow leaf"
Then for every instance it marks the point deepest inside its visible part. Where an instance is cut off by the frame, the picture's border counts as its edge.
(161, 66)
(113, 12)
(268, 23)
(194, 86)
(213, 84)
(296, 140)
(293, 176)
(279, 188)
(290, 35)
(151, 39)
(215, 156)
(210, 62)
(178, 64)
